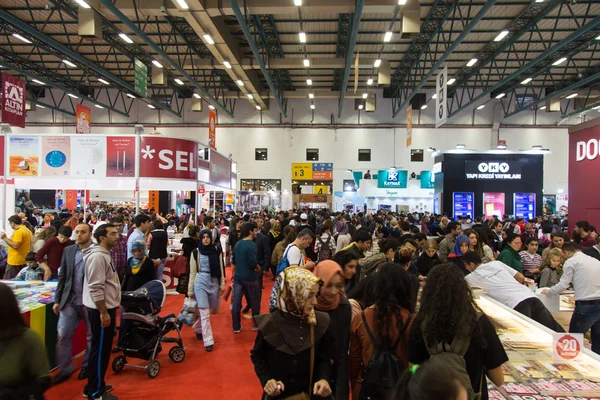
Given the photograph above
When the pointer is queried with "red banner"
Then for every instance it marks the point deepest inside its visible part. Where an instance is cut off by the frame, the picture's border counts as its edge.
(212, 129)
(84, 119)
(1, 155)
(13, 100)
(165, 157)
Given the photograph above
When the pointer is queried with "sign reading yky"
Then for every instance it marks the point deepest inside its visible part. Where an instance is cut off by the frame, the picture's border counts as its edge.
(492, 170)
(13, 100)
(392, 179)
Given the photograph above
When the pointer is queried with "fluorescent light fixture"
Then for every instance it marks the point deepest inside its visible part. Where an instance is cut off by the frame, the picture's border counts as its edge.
(69, 63)
(211, 106)
(157, 64)
(501, 36)
(388, 36)
(125, 38)
(311, 96)
(370, 82)
(130, 95)
(572, 96)
(302, 37)
(226, 64)
(559, 61)
(401, 2)
(21, 38)
(424, 107)
(183, 4)
(196, 95)
(460, 146)
(501, 147)
(151, 106)
(481, 107)
(598, 38)
(377, 63)
(208, 39)
(434, 96)
(360, 106)
(472, 62)
(312, 106)
(36, 81)
(72, 95)
(178, 81)
(536, 147)
(451, 81)
(103, 81)
(431, 149)
(309, 82)
(542, 108)
(306, 62)
(240, 82)
(365, 95)
(501, 95)
(250, 96)
(37, 105)
(539, 1)
(298, 3)
(526, 81)
(258, 108)
(596, 107)
(98, 105)
(83, 4)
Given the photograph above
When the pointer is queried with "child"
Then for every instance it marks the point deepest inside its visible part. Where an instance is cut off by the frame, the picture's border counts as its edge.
(551, 268)
(530, 259)
(429, 258)
(461, 246)
(32, 272)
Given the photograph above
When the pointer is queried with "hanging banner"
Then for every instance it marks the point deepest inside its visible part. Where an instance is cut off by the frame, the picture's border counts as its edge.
(56, 154)
(120, 156)
(88, 155)
(162, 157)
(24, 156)
(2, 156)
(84, 119)
(212, 129)
(409, 126)
(441, 90)
(13, 100)
(220, 170)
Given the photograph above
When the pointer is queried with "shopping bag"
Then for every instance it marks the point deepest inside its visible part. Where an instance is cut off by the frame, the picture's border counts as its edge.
(188, 311)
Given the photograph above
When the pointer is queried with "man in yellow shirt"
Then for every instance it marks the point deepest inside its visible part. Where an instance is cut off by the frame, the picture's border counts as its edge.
(18, 246)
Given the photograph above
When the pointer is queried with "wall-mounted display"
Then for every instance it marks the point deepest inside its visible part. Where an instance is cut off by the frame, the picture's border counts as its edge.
(493, 204)
(524, 205)
(463, 204)
(88, 156)
(349, 185)
(549, 204)
(56, 155)
(120, 156)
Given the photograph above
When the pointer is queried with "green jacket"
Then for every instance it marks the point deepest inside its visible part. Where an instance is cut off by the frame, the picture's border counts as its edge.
(511, 258)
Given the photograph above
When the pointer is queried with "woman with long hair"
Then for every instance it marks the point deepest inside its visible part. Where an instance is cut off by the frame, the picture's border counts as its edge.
(486, 245)
(385, 324)
(332, 300)
(289, 336)
(348, 262)
(474, 242)
(448, 312)
(24, 367)
(41, 238)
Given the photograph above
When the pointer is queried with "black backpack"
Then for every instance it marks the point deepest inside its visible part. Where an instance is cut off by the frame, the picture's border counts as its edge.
(381, 375)
(324, 250)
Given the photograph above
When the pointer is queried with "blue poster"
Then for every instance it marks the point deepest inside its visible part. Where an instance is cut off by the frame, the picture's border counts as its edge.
(436, 203)
(463, 204)
(524, 204)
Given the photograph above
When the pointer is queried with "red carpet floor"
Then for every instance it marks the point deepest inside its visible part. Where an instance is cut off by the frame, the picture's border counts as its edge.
(226, 373)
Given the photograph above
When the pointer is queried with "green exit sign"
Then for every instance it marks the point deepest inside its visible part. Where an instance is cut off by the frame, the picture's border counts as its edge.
(140, 78)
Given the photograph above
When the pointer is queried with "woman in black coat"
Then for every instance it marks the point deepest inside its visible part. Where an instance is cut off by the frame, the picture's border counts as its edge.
(140, 268)
(286, 337)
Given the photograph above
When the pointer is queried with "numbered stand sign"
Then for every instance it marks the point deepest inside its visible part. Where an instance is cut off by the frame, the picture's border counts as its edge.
(566, 347)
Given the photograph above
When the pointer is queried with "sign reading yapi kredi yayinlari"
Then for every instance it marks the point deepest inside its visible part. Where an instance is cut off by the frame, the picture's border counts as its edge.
(492, 170)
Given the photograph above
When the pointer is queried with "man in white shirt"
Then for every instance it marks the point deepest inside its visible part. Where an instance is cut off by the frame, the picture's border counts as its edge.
(504, 284)
(294, 250)
(583, 272)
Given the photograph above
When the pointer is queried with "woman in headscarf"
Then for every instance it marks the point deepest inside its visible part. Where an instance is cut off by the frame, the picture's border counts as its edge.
(140, 268)
(207, 283)
(332, 300)
(341, 235)
(274, 234)
(461, 246)
(292, 340)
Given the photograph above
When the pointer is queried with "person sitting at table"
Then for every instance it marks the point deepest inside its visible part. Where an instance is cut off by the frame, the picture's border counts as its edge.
(32, 272)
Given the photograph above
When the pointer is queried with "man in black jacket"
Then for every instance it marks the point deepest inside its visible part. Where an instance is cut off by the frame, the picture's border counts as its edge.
(68, 304)
(593, 251)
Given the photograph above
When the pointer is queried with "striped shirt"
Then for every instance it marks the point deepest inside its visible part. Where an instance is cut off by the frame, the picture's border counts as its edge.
(530, 261)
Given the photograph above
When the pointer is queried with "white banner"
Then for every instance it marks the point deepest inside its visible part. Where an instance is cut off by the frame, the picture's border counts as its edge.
(441, 104)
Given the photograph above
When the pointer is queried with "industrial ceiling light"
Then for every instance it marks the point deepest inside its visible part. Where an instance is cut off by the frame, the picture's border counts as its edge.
(226, 64)
(183, 4)
(434, 96)
(501, 147)
(39, 82)
(21, 38)
(542, 107)
(258, 108)
(239, 82)
(196, 95)
(312, 106)
(311, 96)
(208, 38)
(302, 37)
(250, 96)
(83, 4)
(472, 62)
(526, 81)
(572, 96)
(178, 81)
(298, 3)
(451, 81)
(103, 81)
(211, 106)
(37, 105)
(377, 63)
(481, 107)
(388, 36)
(360, 106)
(539, 1)
(306, 62)
(130, 95)
(424, 107)
(501, 95)
(369, 81)
(598, 38)
(460, 146)
(431, 149)
(98, 105)
(69, 63)
(157, 64)
(501, 36)
(309, 82)
(559, 61)
(401, 2)
(72, 95)
(536, 147)
(125, 38)
(151, 106)
(596, 107)
(365, 95)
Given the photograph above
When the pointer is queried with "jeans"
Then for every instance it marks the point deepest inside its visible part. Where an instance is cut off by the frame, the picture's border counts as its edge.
(12, 271)
(252, 291)
(537, 311)
(160, 269)
(68, 320)
(100, 352)
(586, 317)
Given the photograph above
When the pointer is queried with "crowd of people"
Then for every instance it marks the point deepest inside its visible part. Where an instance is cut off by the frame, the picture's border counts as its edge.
(343, 319)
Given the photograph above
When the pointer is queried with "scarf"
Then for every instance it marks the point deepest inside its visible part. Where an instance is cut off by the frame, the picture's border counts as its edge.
(135, 264)
(290, 293)
(326, 270)
(213, 254)
(462, 238)
(275, 229)
(341, 228)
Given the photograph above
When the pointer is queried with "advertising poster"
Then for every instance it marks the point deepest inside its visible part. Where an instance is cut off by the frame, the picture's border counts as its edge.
(84, 119)
(220, 170)
(392, 179)
(56, 155)
(120, 156)
(168, 158)
(549, 204)
(212, 129)
(463, 204)
(2, 156)
(409, 126)
(524, 205)
(24, 156)
(493, 204)
(441, 89)
(88, 155)
(427, 180)
(13, 100)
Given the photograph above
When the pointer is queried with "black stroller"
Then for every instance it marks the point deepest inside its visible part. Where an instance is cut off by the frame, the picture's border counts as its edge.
(142, 330)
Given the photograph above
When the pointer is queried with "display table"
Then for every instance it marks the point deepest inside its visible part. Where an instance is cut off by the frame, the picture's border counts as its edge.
(530, 373)
(36, 299)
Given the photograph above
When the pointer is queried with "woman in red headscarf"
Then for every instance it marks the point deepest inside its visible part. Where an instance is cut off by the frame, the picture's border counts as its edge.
(332, 300)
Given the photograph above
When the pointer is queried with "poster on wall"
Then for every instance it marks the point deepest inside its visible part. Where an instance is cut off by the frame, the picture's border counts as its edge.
(84, 119)
(168, 158)
(56, 155)
(493, 204)
(524, 205)
(436, 203)
(463, 204)
(120, 156)
(88, 155)
(13, 100)
(549, 206)
(24, 156)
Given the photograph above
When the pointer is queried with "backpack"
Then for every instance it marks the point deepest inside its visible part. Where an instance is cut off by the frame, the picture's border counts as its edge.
(381, 375)
(284, 262)
(325, 251)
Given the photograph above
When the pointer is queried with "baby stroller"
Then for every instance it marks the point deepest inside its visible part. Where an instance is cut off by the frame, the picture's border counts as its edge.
(143, 331)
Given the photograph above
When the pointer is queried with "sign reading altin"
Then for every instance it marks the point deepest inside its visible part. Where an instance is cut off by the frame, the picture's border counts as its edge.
(492, 170)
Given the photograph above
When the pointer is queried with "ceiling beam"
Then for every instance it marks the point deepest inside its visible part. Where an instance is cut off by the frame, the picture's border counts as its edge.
(51, 107)
(350, 53)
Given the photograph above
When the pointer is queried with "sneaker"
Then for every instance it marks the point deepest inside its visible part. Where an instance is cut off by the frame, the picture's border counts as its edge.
(238, 331)
(108, 396)
(82, 374)
(209, 348)
(104, 395)
(247, 315)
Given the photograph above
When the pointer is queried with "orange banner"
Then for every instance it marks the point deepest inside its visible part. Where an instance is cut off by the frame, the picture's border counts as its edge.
(153, 200)
(84, 119)
(212, 129)
(409, 123)
(71, 199)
